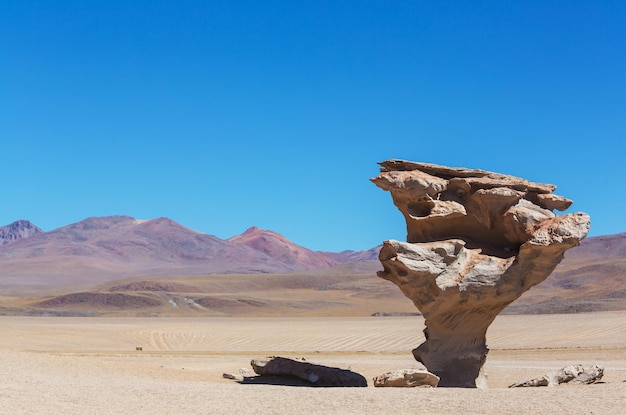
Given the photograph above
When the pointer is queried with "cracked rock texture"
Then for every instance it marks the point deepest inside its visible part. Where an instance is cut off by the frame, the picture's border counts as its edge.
(476, 241)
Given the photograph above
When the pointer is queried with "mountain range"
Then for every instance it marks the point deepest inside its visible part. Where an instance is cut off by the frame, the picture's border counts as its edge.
(100, 249)
(118, 264)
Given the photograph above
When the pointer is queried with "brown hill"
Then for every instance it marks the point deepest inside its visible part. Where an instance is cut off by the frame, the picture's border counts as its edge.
(305, 293)
(285, 251)
(100, 300)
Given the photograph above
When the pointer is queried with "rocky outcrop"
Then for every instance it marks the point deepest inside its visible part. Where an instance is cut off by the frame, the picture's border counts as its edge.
(17, 230)
(476, 241)
(575, 374)
(406, 378)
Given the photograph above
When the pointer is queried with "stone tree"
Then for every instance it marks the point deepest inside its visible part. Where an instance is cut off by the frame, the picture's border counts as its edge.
(476, 241)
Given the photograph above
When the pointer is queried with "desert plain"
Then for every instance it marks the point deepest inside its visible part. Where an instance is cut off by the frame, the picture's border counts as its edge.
(84, 365)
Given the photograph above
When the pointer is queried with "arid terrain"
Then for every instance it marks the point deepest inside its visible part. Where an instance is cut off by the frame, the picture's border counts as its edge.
(77, 303)
(53, 365)
(120, 266)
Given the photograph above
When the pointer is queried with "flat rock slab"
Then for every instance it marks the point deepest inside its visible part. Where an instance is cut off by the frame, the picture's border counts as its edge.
(407, 378)
(295, 372)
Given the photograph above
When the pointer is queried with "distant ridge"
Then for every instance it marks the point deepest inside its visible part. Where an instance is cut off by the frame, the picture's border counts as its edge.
(128, 254)
(357, 256)
(101, 249)
(17, 230)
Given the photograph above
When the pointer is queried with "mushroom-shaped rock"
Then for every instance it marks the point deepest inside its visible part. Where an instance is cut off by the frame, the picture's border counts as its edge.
(476, 241)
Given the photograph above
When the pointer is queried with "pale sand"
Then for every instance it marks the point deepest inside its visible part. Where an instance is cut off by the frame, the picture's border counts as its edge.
(90, 366)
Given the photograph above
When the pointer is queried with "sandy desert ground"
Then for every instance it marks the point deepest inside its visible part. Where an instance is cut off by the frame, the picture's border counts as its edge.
(90, 365)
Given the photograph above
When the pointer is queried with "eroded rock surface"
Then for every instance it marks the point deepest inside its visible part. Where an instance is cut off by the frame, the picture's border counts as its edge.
(476, 241)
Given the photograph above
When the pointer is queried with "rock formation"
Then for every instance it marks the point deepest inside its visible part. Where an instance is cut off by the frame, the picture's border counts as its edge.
(476, 241)
(17, 230)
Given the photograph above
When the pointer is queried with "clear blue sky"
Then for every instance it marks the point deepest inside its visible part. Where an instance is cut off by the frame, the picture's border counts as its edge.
(222, 115)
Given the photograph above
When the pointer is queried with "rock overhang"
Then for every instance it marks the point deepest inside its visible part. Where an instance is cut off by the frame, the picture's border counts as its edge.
(494, 212)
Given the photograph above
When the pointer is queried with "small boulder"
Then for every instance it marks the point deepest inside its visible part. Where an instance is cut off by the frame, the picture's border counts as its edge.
(232, 376)
(407, 378)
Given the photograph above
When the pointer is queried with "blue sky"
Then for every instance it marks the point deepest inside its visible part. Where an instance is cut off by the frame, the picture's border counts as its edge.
(222, 115)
